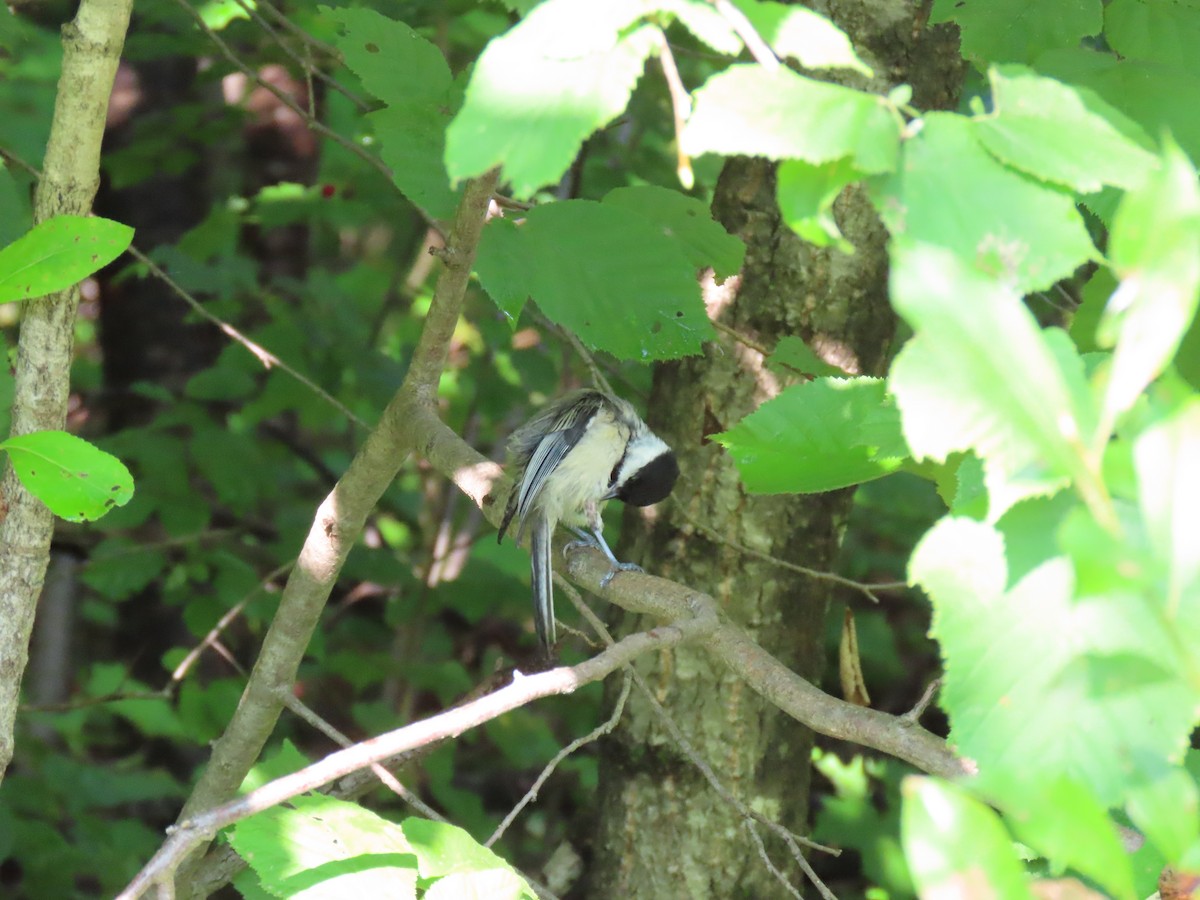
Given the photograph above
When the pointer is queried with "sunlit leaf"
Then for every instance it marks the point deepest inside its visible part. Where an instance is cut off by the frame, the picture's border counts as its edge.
(1155, 250)
(76, 480)
(806, 193)
(58, 253)
(1010, 399)
(537, 91)
(1043, 127)
(956, 847)
(803, 35)
(778, 114)
(326, 849)
(819, 436)
(951, 192)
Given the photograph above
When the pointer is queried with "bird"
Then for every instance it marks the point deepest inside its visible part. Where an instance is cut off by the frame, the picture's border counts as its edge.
(580, 451)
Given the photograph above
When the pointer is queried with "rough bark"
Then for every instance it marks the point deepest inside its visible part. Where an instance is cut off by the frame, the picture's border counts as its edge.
(92, 44)
(662, 831)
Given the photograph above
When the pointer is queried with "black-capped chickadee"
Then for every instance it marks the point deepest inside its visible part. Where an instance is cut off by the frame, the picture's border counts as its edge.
(582, 450)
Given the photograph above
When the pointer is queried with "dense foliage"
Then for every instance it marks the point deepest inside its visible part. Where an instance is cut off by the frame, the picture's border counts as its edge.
(1044, 256)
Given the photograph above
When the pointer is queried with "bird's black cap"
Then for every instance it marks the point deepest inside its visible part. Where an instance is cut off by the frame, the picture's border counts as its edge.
(652, 482)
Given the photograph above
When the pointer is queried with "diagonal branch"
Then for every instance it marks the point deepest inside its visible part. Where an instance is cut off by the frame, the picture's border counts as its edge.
(339, 520)
(201, 828)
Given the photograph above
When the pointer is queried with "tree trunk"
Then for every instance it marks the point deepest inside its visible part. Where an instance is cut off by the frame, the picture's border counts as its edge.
(92, 44)
(662, 830)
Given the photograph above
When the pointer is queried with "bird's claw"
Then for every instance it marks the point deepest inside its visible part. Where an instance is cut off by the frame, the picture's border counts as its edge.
(619, 567)
(571, 546)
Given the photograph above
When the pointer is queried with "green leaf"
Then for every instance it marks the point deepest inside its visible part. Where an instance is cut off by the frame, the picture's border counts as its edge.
(1018, 30)
(1044, 128)
(410, 75)
(778, 114)
(1010, 399)
(955, 845)
(1166, 457)
(793, 354)
(538, 91)
(705, 23)
(1075, 673)
(117, 568)
(444, 850)
(1062, 821)
(492, 884)
(1165, 806)
(1087, 315)
(803, 35)
(806, 193)
(951, 192)
(646, 308)
(326, 849)
(688, 221)
(1164, 33)
(1156, 96)
(1155, 250)
(77, 481)
(819, 436)
(58, 253)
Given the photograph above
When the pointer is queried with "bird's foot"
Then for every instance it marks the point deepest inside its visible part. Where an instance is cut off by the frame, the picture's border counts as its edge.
(619, 567)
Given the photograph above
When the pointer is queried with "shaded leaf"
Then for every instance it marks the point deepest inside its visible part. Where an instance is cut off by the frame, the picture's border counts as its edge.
(410, 75)
(602, 271)
(1018, 30)
(688, 221)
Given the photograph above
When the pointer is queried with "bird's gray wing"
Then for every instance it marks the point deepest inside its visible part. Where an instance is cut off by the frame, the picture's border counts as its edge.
(562, 427)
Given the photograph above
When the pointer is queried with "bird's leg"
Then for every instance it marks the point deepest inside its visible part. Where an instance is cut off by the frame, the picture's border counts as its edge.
(594, 537)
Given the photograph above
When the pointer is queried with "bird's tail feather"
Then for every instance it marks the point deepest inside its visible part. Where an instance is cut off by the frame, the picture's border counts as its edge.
(543, 582)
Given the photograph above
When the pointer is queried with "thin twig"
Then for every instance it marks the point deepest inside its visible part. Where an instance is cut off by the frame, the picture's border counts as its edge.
(771, 867)
(868, 590)
(214, 633)
(288, 698)
(758, 48)
(261, 353)
(308, 67)
(914, 715)
(595, 734)
(681, 107)
(288, 25)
